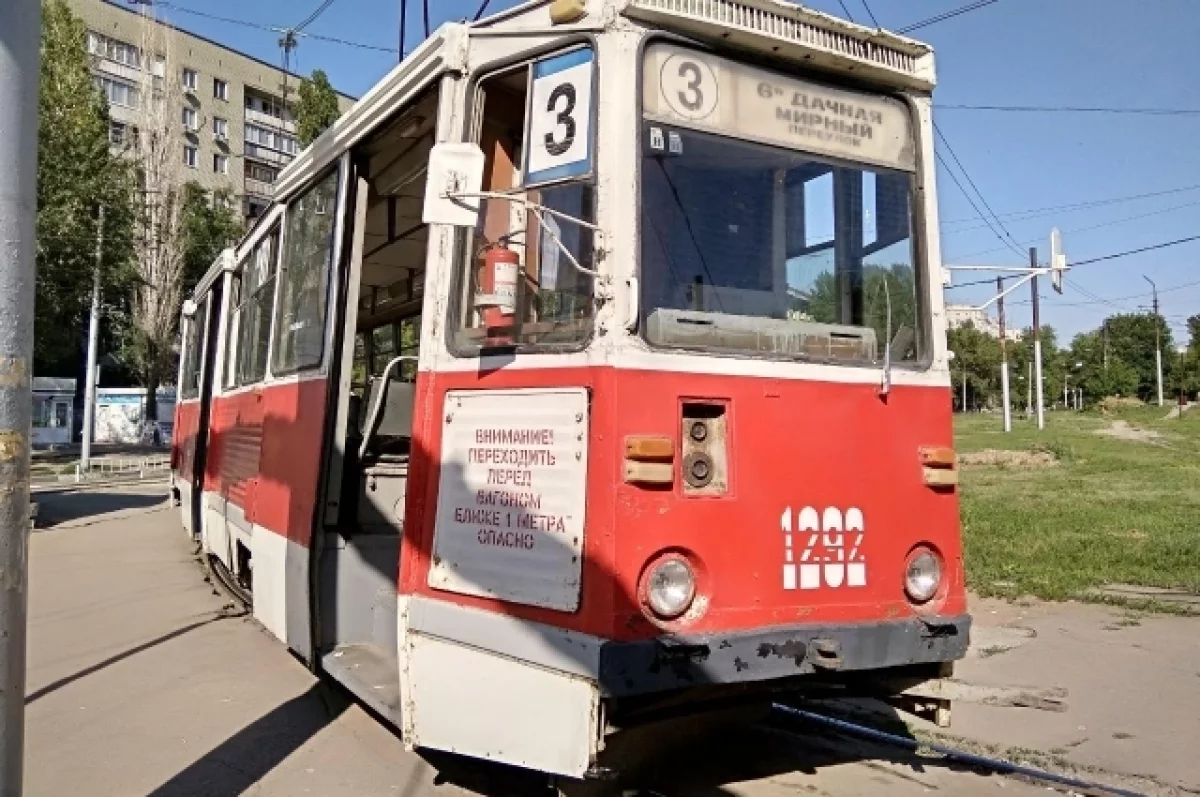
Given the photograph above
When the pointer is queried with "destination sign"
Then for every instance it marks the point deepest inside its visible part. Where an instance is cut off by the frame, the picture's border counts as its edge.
(705, 92)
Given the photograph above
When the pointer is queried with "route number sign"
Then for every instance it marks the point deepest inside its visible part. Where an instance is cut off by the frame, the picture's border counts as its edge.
(561, 118)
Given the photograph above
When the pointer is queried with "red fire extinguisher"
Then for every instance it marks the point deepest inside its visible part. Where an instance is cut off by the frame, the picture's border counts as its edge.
(497, 279)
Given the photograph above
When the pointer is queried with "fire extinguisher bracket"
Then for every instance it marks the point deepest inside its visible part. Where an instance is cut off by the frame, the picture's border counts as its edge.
(540, 212)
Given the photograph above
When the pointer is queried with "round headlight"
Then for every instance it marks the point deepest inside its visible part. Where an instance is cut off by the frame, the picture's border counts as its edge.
(670, 588)
(922, 575)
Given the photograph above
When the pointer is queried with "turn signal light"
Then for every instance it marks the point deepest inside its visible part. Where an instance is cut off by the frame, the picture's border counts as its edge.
(938, 457)
(648, 448)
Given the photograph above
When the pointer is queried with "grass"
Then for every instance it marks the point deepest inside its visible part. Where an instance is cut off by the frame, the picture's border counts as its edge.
(1109, 511)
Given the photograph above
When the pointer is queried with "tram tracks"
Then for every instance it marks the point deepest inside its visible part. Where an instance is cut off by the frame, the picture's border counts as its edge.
(926, 749)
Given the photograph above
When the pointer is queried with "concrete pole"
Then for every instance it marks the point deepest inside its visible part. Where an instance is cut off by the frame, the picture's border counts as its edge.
(20, 28)
(1003, 358)
(89, 393)
(1157, 341)
(1037, 344)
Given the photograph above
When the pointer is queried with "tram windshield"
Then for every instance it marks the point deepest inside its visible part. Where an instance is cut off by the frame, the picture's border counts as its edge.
(777, 215)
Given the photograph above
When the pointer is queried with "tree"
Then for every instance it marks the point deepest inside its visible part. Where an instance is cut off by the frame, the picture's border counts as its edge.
(161, 246)
(1101, 375)
(210, 224)
(977, 362)
(77, 173)
(317, 108)
(1132, 338)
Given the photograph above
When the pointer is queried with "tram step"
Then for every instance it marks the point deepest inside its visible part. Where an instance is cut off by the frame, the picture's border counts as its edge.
(371, 673)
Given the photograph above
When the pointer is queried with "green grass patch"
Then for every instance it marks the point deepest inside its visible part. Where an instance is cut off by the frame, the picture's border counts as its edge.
(1108, 510)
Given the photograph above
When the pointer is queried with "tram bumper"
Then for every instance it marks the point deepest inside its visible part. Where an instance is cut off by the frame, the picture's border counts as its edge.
(667, 663)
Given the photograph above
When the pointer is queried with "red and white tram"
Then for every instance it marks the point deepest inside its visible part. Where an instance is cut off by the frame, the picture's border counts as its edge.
(594, 361)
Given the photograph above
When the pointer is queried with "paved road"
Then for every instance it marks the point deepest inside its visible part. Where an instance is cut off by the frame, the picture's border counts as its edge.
(139, 684)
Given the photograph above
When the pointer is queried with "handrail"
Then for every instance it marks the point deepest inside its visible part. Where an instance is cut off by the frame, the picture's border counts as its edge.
(373, 417)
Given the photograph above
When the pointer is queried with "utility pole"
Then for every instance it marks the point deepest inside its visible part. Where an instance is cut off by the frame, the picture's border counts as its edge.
(20, 28)
(1157, 340)
(1003, 357)
(89, 393)
(1029, 389)
(1104, 327)
(1037, 341)
(964, 381)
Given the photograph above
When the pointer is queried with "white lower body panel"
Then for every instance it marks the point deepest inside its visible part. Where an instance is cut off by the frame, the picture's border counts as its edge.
(470, 685)
(280, 584)
(185, 504)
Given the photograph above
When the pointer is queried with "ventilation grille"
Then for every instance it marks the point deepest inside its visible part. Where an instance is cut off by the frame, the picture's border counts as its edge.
(733, 14)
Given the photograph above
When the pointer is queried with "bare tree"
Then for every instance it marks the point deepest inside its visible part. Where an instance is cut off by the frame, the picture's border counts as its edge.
(159, 156)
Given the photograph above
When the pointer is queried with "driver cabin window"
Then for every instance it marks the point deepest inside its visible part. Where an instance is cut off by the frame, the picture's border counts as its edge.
(518, 285)
(779, 222)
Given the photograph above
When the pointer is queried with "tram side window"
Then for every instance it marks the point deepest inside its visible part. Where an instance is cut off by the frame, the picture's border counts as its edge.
(304, 277)
(253, 300)
(536, 131)
(193, 355)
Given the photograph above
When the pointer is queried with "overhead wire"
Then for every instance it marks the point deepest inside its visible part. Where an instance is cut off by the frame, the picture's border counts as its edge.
(1014, 246)
(482, 7)
(1021, 215)
(271, 28)
(947, 15)
(1070, 109)
(849, 16)
(870, 13)
(962, 188)
(1102, 225)
(311, 18)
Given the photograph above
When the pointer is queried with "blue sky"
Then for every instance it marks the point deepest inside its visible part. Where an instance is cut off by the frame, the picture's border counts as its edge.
(1096, 53)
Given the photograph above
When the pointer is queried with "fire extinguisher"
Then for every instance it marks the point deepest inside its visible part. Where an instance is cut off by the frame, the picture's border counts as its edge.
(497, 279)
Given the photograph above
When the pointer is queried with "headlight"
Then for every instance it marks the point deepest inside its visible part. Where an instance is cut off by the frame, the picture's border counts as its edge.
(922, 575)
(670, 588)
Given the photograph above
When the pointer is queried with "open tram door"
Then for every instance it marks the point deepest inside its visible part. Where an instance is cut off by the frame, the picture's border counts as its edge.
(374, 405)
(199, 366)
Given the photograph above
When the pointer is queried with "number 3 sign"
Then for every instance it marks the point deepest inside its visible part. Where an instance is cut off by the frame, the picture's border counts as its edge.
(560, 118)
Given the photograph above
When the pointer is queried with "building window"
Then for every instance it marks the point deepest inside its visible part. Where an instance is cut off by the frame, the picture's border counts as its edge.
(118, 134)
(114, 50)
(189, 118)
(189, 79)
(220, 128)
(221, 164)
(190, 157)
(118, 92)
(220, 89)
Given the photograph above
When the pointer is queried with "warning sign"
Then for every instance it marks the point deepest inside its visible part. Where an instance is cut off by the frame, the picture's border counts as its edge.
(511, 496)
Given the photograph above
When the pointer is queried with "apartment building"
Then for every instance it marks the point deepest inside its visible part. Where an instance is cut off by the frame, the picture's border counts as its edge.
(959, 315)
(235, 130)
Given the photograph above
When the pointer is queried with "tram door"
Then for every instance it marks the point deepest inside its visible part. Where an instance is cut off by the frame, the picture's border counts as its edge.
(210, 328)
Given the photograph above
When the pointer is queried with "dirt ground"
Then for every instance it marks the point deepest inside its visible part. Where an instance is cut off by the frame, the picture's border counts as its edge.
(142, 682)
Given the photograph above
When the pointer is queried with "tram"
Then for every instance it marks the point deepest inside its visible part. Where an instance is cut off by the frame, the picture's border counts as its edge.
(593, 363)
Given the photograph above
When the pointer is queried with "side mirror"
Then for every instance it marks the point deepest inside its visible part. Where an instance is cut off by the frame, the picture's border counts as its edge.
(452, 186)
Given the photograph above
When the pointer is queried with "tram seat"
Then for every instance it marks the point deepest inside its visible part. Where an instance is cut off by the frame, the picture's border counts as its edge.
(387, 426)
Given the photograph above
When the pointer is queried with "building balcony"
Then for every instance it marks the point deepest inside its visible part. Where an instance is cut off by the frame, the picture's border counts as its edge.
(266, 155)
(258, 188)
(270, 122)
